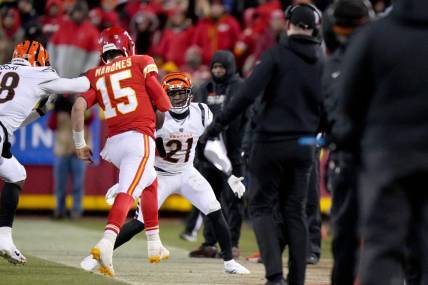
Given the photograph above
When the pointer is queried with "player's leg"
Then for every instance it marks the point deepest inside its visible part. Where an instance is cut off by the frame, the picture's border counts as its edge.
(198, 191)
(135, 225)
(148, 215)
(133, 153)
(14, 175)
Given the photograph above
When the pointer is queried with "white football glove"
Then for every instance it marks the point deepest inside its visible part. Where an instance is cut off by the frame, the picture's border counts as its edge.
(236, 185)
(111, 194)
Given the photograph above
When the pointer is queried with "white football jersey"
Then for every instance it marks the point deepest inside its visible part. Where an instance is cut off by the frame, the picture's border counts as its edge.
(180, 137)
(20, 91)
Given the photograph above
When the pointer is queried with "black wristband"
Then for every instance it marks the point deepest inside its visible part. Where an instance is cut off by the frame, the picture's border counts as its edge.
(40, 112)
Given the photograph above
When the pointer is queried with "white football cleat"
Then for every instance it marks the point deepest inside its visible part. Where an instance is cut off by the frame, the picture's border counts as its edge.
(164, 253)
(89, 263)
(9, 251)
(103, 253)
(154, 248)
(233, 267)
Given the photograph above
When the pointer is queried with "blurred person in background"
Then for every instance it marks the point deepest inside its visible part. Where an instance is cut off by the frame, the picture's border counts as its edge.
(11, 33)
(218, 31)
(266, 39)
(199, 72)
(35, 33)
(144, 29)
(176, 38)
(52, 18)
(67, 164)
(27, 13)
(288, 81)
(383, 111)
(247, 40)
(73, 48)
(345, 16)
(219, 91)
(105, 16)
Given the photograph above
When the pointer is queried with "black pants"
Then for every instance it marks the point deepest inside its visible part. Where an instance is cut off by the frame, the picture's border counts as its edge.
(313, 212)
(192, 221)
(391, 213)
(280, 174)
(342, 183)
(232, 207)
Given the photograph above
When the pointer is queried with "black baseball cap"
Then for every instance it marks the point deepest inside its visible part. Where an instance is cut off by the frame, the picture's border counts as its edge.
(304, 16)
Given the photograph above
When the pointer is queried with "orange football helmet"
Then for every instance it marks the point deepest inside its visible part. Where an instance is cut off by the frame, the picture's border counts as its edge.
(33, 52)
(178, 86)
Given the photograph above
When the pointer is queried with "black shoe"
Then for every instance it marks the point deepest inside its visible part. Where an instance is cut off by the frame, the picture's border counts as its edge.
(204, 251)
(280, 282)
(313, 259)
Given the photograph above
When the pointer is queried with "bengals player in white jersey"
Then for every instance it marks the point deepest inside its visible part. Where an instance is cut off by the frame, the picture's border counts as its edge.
(176, 142)
(27, 80)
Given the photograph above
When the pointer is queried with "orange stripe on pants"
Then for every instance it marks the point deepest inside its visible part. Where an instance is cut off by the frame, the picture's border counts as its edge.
(141, 167)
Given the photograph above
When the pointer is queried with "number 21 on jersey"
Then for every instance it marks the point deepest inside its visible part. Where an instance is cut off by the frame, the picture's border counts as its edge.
(118, 92)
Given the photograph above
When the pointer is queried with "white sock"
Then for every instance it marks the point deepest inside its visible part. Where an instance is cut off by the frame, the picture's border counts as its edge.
(6, 231)
(153, 235)
(110, 236)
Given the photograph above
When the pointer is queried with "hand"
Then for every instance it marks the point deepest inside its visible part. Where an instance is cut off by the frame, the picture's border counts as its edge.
(85, 154)
(236, 185)
(45, 105)
(212, 132)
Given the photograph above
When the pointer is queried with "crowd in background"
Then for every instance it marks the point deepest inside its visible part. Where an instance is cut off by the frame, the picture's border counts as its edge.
(179, 34)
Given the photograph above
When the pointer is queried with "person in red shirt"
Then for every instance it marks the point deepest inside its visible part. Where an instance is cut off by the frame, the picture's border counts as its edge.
(219, 31)
(176, 38)
(126, 88)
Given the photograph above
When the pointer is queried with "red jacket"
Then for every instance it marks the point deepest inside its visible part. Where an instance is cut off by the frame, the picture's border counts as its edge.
(174, 44)
(212, 35)
(73, 49)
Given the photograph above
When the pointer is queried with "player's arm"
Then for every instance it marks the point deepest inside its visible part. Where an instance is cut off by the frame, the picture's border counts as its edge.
(40, 110)
(153, 87)
(66, 85)
(83, 151)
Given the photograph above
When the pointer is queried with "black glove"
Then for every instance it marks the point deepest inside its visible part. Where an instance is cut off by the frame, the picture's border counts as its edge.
(42, 106)
(212, 132)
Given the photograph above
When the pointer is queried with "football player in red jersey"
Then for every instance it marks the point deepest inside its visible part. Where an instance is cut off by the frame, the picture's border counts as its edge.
(126, 87)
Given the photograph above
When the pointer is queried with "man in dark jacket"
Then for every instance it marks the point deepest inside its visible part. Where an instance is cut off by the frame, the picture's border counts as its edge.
(345, 17)
(217, 93)
(289, 80)
(385, 107)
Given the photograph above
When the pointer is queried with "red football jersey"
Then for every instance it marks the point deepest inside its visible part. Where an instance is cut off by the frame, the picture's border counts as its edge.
(120, 90)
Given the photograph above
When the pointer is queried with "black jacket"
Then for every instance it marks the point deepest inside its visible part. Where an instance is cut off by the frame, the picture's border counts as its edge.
(217, 94)
(330, 85)
(288, 78)
(385, 91)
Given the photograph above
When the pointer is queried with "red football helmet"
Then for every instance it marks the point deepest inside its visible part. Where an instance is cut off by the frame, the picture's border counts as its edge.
(116, 38)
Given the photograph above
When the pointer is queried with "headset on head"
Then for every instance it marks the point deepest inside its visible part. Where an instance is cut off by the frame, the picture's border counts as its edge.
(290, 9)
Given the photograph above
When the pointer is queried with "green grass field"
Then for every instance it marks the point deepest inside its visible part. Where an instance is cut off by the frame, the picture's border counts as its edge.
(54, 250)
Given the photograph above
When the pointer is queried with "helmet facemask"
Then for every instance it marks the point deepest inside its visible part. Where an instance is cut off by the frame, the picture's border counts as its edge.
(180, 99)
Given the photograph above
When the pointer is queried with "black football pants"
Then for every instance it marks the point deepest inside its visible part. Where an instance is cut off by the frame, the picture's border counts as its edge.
(231, 206)
(313, 212)
(391, 214)
(342, 183)
(280, 173)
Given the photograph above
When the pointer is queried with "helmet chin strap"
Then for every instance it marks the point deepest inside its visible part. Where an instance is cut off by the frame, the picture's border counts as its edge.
(180, 116)
(179, 110)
